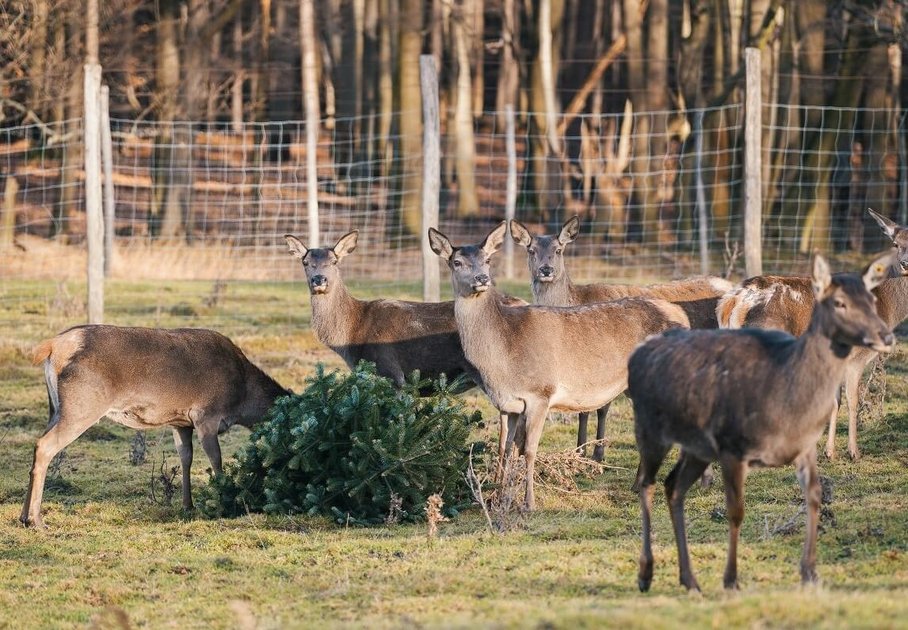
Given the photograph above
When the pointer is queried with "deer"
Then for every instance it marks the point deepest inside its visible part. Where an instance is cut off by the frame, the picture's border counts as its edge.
(534, 358)
(552, 286)
(397, 336)
(145, 378)
(787, 302)
(747, 398)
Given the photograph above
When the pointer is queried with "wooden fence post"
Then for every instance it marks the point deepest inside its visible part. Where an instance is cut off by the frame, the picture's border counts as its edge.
(753, 192)
(93, 207)
(431, 176)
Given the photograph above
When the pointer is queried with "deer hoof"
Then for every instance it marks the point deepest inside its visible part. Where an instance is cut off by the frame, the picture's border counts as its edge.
(599, 453)
(830, 454)
(644, 584)
(854, 454)
(33, 523)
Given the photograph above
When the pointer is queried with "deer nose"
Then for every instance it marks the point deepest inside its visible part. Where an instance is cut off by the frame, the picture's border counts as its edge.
(546, 271)
(482, 279)
(318, 282)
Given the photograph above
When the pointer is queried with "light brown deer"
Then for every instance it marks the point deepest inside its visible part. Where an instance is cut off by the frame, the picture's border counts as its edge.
(398, 336)
(552, 286)
(535, 358)
(145, 378)
(747, 398)
(787, 302)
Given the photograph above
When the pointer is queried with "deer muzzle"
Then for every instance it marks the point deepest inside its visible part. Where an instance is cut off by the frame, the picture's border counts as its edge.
(884, 342)
(546, 273)
(318, 284)
(481, 282)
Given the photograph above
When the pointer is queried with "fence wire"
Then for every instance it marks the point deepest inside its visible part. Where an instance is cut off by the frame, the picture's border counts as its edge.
(198, 204)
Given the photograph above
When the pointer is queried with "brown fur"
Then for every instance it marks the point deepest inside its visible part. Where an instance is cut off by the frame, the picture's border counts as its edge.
(188, 379)
(535, 358)
(745, 398)
(787, 303)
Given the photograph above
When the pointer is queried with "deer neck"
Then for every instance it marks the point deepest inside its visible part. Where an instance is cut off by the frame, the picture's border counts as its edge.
(335, 316)
(892, 296)
(480, 323)
(558, 292)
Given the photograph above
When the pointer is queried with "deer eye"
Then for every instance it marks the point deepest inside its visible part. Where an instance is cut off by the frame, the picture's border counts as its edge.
(530, 250)
(456, 264)
(558, 251)
(305, 263)
(840, 303)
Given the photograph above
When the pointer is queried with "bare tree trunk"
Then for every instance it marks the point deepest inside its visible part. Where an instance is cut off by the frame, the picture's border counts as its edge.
(385, 148)
(476, 10)
(659, 211)
(410, 106)
(165, 216)
(70, 197)
(37, 70)
(239, 77)
(636, 80)
(508, 74)
(467, 200)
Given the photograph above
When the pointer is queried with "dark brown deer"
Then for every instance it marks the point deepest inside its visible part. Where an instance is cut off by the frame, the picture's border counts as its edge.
(398, 336)
(787, 302)
(552, 286)
(535, 358)
(146, 378)
(747, 398)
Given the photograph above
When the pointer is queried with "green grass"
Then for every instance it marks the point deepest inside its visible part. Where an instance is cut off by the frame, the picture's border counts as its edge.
(110, 550)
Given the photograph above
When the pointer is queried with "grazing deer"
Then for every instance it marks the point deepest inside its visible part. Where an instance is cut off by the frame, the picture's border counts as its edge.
(747, 398)
(552, 286)
(535, 358)
(396, 335)
(145, 378)
(787, 302)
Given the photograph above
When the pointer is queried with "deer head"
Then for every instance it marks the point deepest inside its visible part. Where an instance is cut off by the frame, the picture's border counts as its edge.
(898, 235)
(320, 263)
(846, 307)
(545, 254)
(470, 264)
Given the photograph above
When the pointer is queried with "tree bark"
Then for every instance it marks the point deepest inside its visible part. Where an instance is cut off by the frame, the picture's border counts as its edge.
(410, 108)
(467, 199)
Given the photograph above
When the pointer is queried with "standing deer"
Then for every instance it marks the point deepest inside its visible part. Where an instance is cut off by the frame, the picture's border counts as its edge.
(787, 302)
(552, 286)
(747, 398)
(396, 335)
(145, 378)
(535, 358)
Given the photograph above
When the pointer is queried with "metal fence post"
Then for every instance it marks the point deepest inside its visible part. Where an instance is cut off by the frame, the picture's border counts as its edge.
(753, 192)
(431, 175)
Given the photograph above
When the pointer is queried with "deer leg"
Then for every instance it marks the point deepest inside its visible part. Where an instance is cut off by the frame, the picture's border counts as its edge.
(182, 439)
(852, 385)
(650, 461)
(212, 448)
(60, 435)
(830, 438)
(599, 449)
(809, 479)
(583, 417)
(734, 472)
(535, 412)
(679, 480)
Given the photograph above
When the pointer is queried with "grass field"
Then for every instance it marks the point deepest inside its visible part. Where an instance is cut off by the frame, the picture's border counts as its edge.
(114, 557)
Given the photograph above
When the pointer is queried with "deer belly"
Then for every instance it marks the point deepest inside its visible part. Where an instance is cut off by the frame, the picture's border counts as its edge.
(582, 399)
(143, 418)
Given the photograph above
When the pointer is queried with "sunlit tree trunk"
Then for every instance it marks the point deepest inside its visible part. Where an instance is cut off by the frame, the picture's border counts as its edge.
(658, 214)
(385, 148)
(476, 43)
(70, 110)
(410, 108)
(467, 200)
(37, 70)
(508, 74)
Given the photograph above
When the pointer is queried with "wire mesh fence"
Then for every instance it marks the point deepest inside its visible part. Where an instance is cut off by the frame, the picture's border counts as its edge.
(201, 204)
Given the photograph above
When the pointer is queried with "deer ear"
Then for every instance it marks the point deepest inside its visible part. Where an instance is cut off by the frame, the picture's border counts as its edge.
(821, 277)
(346, 244)
(878, 270)
(493, 241)
(297, 249)
(440, 244)
(889, 227)
(520, 234)
(569, 230)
